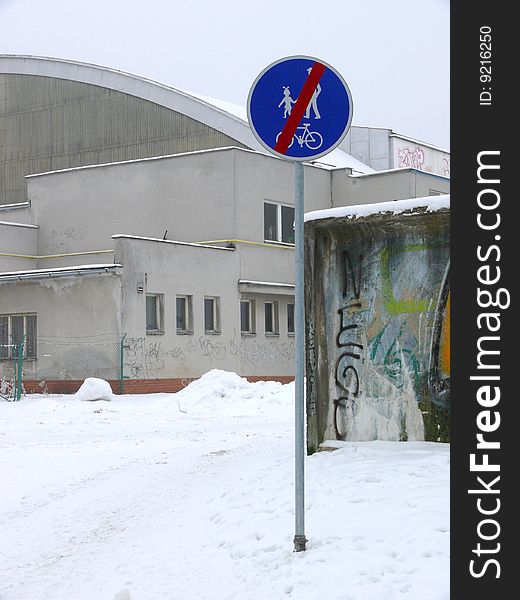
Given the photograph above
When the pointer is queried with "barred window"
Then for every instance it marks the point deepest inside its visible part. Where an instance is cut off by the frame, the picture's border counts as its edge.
(17, 331)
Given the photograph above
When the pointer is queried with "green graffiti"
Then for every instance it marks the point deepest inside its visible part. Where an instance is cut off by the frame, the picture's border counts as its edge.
(396, 359)
(374, 344)
(393, 306)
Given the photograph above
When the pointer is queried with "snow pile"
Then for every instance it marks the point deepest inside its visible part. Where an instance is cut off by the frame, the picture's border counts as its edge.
(224, 393)
(94, 389)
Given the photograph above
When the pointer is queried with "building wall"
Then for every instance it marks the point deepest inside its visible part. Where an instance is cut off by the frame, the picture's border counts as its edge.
(394, 185)
(382, 149)
(406, 153)
(81, 320)
(78, 325)
(193, 197)
(260, 178)
(171, 269)
(48, 124)
(369, 145)
(17, 239)
(80, 210)
(214, 194)
(378, 328)
(18, 213)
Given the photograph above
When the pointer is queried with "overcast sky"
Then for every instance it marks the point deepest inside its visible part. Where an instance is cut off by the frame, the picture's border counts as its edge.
(393, 54)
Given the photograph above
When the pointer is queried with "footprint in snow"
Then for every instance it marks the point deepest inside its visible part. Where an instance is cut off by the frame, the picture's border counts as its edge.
(372, 479)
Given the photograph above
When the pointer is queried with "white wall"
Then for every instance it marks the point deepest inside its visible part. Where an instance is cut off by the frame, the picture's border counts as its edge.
(81, 209)
(17, 239)
(73, 315)
(398, 184)
(408, 153)
(194, 197)
(171, 269)
(382, 149)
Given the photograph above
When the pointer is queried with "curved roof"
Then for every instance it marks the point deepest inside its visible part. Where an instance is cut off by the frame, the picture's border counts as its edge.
(214, 113)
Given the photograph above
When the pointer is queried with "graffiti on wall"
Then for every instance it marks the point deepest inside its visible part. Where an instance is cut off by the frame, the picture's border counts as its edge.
(439, 371)
(311, 367)
(147, 358)
(207, 347)
(346, 373)
(412, 157)
(144, 359)
(391, 341)
(423, 158)
(253, 351)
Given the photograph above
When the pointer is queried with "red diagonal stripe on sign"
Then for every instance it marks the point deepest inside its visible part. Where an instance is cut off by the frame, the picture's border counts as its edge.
(299, 108)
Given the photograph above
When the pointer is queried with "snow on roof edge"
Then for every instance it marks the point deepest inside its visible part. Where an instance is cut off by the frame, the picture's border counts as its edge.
(269, 283)
(430, 203)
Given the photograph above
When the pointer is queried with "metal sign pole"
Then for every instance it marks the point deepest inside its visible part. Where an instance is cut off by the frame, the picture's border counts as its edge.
(299, 326)
(317, 120)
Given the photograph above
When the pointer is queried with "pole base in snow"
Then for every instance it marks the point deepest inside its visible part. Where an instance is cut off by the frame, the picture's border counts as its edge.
(299, 543)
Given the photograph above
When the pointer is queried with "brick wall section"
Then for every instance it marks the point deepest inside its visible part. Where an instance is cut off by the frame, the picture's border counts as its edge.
(132, 386)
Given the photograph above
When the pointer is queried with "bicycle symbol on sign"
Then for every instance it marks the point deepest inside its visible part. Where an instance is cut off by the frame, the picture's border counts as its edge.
(312, 139)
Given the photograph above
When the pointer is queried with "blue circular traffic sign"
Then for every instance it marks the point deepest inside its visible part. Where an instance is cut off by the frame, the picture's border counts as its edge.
(299, 108)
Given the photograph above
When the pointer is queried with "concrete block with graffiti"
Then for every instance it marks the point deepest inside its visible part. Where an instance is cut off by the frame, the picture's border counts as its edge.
(378, 322)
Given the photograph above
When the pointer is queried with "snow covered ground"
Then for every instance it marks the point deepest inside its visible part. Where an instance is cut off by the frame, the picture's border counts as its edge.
(190, 496)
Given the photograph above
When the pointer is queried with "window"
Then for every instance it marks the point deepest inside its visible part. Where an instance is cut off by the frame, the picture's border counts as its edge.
(184, 314)
(212, 314)
(290, 319)
(154, 313)
(270, 222)
(16, 330)
(287, 224)
(278, 223)
(247, 316)
(271, 318)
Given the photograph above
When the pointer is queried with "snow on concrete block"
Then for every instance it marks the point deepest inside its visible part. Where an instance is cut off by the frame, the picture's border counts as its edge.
(94, 389)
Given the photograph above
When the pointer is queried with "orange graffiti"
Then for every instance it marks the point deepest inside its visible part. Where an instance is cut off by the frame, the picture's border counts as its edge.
(444, 349)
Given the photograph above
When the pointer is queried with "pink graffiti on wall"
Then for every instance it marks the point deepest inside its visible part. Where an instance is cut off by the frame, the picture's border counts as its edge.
(446, 167)
(412, 158)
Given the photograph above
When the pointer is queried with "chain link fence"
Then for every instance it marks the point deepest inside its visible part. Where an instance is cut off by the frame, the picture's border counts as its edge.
(65, 359)
(11, 371)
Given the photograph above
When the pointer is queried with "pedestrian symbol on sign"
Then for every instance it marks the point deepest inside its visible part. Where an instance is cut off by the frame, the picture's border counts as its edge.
(314, 101)
(286, 102)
